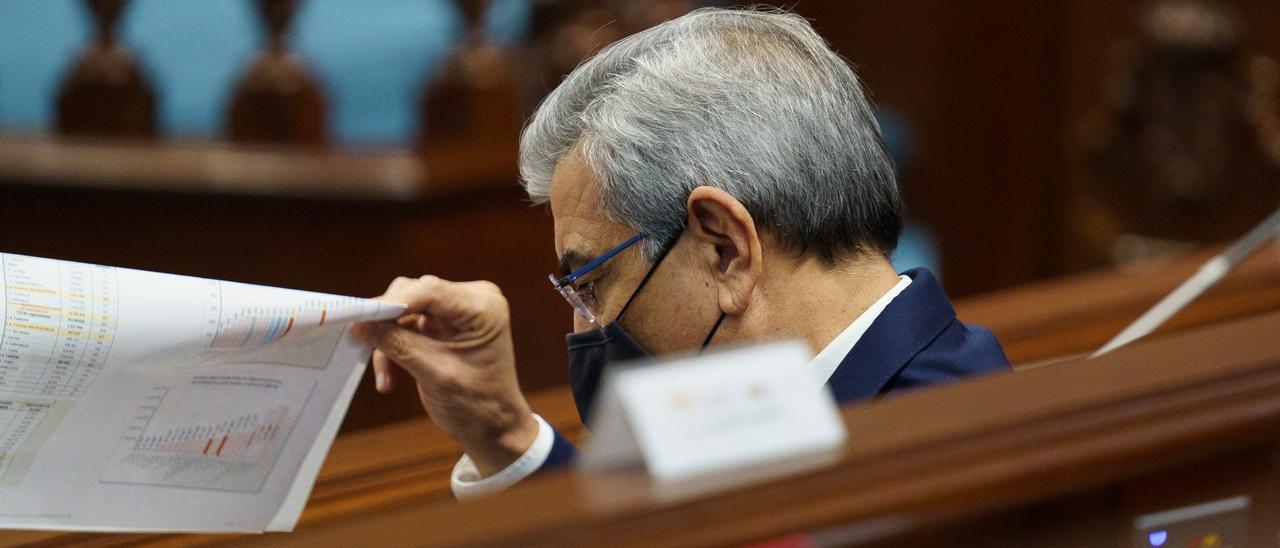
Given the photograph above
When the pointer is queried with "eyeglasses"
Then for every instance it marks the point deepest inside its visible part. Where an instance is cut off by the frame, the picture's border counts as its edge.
(570, 293)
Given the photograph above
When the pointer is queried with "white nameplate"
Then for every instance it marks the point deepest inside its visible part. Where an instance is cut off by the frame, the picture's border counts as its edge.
(713, 412)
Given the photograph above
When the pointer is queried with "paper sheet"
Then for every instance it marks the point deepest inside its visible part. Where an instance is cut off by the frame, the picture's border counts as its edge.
(139, 401)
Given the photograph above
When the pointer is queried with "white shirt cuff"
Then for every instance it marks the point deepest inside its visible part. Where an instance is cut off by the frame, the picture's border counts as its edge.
(467, 482)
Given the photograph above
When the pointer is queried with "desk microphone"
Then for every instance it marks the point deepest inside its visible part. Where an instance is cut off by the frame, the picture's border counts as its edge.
(1209, 273)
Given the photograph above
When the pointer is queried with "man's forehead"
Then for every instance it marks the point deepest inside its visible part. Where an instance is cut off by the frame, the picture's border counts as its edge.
(580, 224)
(573, 186)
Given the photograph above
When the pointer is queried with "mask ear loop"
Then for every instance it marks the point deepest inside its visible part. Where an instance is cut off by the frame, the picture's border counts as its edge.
(665, 249)
(712, 333)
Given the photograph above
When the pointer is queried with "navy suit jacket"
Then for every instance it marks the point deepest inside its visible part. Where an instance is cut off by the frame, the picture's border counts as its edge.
(915, 341)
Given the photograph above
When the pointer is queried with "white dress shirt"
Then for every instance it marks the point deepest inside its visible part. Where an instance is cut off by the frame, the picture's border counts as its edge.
(467, 482)
(825, 363)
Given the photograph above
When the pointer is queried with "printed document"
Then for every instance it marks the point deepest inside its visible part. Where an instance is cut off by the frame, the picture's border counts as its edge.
(139, 401)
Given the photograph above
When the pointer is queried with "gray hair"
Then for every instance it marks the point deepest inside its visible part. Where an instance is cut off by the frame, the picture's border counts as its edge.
(752, 102)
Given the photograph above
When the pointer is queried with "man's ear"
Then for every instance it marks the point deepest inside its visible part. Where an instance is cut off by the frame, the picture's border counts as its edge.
(729, 243)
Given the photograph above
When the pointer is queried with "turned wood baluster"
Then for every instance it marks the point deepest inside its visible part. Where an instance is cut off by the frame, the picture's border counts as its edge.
(474, 98)
(277, 100)
(106, 93)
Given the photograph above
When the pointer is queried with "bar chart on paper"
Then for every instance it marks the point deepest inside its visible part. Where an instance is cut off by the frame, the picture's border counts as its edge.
(238, 329)
(233, 451)
(250, 435)
(145, 401)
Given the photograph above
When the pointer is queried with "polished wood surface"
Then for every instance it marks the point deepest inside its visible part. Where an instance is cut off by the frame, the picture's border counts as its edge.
(915, 461)
(214, 168)
(1077, 314)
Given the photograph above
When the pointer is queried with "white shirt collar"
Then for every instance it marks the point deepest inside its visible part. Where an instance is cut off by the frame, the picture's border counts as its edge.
(826, 362)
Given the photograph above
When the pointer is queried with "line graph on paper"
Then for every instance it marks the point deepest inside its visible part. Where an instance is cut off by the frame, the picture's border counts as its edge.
(303, 332)
(234, 449)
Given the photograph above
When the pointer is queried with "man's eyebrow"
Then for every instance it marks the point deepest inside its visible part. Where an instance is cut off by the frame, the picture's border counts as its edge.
(571, 261)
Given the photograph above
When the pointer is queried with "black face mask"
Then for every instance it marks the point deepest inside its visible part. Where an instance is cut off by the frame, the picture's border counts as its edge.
(591, 351)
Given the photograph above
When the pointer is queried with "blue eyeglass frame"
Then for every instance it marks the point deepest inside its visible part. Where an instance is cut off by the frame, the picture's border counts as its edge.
(573, 276)
(570, 294)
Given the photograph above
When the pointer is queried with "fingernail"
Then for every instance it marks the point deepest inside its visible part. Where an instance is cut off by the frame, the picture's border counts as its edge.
(380, 381)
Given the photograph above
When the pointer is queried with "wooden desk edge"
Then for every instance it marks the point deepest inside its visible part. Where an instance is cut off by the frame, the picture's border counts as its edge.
(1008, 437)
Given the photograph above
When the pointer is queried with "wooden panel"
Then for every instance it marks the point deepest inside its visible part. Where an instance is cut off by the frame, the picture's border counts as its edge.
(971, 77)
(999, 95)
(1088, 38)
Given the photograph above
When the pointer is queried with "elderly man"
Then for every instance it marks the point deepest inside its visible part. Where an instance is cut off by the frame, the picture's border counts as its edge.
(717, 179)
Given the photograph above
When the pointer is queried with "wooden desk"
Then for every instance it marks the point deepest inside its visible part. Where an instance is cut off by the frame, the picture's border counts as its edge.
(1203, 402)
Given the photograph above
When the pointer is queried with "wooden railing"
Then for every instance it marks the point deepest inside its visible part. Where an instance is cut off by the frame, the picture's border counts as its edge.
(1074, 315)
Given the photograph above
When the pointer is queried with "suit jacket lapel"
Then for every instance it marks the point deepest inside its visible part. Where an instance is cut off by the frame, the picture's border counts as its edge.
(911, 321)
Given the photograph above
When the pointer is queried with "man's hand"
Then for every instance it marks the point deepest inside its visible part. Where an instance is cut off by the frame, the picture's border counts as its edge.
(455, 340)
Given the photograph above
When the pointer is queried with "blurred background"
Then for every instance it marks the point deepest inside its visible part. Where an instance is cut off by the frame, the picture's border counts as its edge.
(331, 145)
